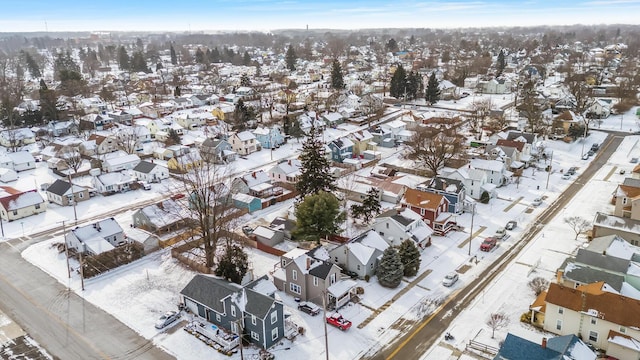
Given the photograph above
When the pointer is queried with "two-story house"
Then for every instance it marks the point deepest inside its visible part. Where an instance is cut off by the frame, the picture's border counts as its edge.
(395, 226)
(286, 171)
(362, 141)
(433, 208)
(162, 217)
(96, 238)
(495, 170)
(452, 189)
(309, 276)
(341, 149)
(360, 255)
(17, 137)
(237, 309)
(592, 312)
(217, 151)
(244, 142)
(269, 137)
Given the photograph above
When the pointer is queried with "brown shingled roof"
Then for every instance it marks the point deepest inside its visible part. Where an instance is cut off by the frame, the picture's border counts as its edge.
(611, 307)
(511, 143)
(422, 199)
(630, 191)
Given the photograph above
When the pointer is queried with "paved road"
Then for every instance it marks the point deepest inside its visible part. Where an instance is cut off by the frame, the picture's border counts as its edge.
(414, 344)
(61, 321)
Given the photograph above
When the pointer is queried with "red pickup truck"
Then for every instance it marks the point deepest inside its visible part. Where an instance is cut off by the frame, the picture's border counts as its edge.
(488, 244)
(338, 321)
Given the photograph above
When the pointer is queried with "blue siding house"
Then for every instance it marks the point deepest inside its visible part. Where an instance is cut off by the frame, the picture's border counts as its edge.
(558, 348)
(228, 305)
(452, 189)
(269, 138)
(246, 201)
(341, 149)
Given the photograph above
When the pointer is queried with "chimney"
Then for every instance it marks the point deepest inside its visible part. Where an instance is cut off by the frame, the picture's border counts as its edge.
(308, 263)
(544, 343)
(253, 174)
(289, 162)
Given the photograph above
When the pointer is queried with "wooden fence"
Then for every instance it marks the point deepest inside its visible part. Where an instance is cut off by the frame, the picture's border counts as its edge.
(476, 345)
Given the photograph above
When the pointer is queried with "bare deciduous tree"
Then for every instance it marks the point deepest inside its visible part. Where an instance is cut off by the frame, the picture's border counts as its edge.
(497, 321)
(432, 146)
(578, 224)
(71, 156)
(538, 285)
(128, 139)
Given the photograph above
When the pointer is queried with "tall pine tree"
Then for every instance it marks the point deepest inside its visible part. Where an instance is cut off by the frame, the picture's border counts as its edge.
(398, 84)
(501, 63)
(410, 257)
(123, 59)
(390, 270)
(291, 58)
(433, 92)
(337, 82)
(174, 57)
(315, 175)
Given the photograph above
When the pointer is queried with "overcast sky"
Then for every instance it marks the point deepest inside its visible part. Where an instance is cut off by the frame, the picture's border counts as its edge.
(196, 15)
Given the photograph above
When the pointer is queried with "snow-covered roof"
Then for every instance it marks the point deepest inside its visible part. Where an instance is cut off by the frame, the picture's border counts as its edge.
(103, 228)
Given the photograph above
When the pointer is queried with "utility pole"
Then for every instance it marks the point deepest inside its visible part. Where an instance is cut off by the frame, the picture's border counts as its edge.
(549, 168)
(473, 214)
(82, 266)
(240, 335)
(324, 321)
(66, 248)
(75, 214)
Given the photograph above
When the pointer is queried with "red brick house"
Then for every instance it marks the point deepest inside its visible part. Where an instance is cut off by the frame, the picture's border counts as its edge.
(432, 207)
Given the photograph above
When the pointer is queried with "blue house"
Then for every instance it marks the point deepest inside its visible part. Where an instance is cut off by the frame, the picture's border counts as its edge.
(228, 305)
(558, 348)
(246, 201)
(341, 149)
(452, 189)
(269, 138)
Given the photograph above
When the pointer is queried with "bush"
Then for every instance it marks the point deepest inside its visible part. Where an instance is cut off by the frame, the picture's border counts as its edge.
(526, 318)
(538, 285)
(367, 277)
(485, 197)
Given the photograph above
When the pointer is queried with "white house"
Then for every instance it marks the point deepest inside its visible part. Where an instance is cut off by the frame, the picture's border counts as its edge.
(22, 160)
(286, 171)
(244, 142)
(495, 170)
(96, 238)
(150, 172)
(16, 204)
(396, 226)
(119, 163)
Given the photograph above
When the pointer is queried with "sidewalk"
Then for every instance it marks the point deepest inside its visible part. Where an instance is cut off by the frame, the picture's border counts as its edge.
(15, 343)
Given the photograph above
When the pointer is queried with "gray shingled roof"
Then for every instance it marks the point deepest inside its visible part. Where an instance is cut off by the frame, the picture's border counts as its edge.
(601, 261)
(59, 187)
(144, 167)
(586, 275)
(209, 291)
(258, 304)
(321, 271)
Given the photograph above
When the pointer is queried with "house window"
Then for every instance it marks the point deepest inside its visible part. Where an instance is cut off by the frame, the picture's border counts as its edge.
(387, 225)
(80, 195)
(37, 206)
(233, 311)
(218, 317)
(255, 336)
(234, 327)
(15, 212)
(284, 262)
(421, 211)
(623, 329)
(295, 288)
(594, 321)
(593, 336)
(358, 267)
(560, 310)
(471, 193)
(274, 334)
(315, 281)
(381, 233)
(253, 319)
(333, 278)
(558, 324)
(295, 275)
(274, 317)
(624, 201)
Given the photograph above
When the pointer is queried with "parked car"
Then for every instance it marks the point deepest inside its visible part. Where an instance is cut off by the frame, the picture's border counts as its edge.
(572, 170)
(488, 244)
(511, 225)
(500, 233)
(167, 318)
(536, 202)
(566, 176)
(177, 196)
(622, 171)
(145, 185)
(247, 230)
(338, 321)
(450, 279)
(633, 160)
(595, 147)
(310, 308)
(585, 156)
(349, 273)
(591, 152)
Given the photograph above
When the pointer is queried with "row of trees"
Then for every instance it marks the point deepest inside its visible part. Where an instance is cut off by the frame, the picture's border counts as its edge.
(409, 86)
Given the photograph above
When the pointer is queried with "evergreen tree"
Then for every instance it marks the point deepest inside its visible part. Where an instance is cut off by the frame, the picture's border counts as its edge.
(244, 80)
(414, 85)
(241, 115)
(318, 216)
(174, 137)
(433, 92)
(48, 100)
(410, 257)
(200, 56)
(314, 173)
(246, 59)
(177, 92)
(369, 208)
(291, 58)
(337, 82)
(32, 65)
(174, 57)
(215, 55)
(138, 63)
(501, 63)
(398, 83)
(392, 45)
(295, 130)
(64, 62)
(233, 263)
(123, 59)
(390, 270)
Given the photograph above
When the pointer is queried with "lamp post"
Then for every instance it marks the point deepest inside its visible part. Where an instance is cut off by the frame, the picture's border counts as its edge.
(549, 168)
(22, 225)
